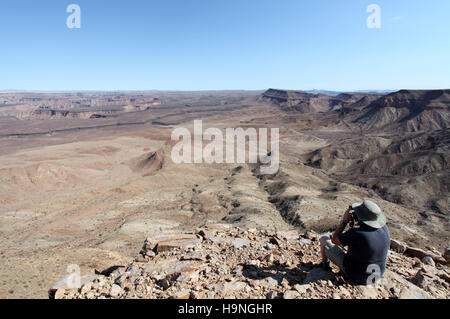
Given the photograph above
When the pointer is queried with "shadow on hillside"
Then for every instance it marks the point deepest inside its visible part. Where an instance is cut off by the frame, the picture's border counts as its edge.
(293, 276)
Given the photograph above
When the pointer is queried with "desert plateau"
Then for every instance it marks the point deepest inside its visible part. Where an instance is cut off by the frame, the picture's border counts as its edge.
(87, 177)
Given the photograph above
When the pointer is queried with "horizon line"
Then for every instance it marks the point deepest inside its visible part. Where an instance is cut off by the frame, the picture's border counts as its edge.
(323, 91)
(194, 90)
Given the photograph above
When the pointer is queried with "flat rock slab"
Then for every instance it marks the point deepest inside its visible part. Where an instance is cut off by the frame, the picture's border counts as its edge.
(170, 241)
(407, 289)
(289, 235)
(173, 266)
(177, 243)
(199, 256)
(219, 227)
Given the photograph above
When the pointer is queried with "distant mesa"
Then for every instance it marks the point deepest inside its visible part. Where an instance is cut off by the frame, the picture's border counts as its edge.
(65, 108)
(307, 102)
(299, 101)
(51, 114)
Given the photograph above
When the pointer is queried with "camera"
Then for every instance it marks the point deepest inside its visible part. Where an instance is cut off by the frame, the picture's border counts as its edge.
(352, 214)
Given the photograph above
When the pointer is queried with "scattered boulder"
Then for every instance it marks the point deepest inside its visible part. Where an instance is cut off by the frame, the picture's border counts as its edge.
(270, 282)
(115, 290)
(421, 254)
(183, 294)
(302, 289)
(427, 260)
(398, 246)
(231, 287)
(311, 235)
(291, 294)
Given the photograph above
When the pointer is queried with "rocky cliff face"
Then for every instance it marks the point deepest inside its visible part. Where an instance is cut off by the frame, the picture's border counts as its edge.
(304, 102)
(405, 110)
(298, 101)
(47, 114)
(409, 110)
(222, 261)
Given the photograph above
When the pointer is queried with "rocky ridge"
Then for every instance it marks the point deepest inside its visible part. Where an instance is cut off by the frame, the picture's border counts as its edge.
(222, 261)
(408, 111)
(298, 101)
(307, 102)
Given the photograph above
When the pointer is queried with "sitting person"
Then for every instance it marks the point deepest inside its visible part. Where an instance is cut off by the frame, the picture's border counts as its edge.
(368, 244)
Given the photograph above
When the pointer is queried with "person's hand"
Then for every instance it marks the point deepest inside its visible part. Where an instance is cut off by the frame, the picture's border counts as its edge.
(347, 216)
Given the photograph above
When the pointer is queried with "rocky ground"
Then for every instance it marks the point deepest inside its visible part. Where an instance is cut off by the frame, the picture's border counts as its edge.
(222, 261)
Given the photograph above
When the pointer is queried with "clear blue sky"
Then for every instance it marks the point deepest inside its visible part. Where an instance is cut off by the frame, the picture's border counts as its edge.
(224, 44)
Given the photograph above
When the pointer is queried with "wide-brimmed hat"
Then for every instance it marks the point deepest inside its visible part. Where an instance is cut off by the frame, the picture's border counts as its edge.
(369, 213)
